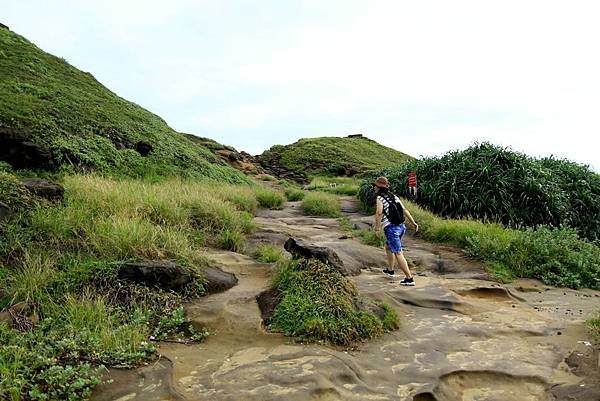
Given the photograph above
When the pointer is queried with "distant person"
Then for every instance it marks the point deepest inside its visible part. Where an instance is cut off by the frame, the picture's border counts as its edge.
(390, 216)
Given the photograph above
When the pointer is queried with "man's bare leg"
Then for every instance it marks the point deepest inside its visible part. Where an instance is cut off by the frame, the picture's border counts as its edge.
(403, 264)
(390, 259)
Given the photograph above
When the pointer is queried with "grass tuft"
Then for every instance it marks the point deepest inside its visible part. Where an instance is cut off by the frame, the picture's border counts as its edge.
(294, 194)
(321, 204)
(269, 198)
(267, 253)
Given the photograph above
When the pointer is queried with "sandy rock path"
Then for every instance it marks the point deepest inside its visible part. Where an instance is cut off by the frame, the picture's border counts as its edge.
(463, 336)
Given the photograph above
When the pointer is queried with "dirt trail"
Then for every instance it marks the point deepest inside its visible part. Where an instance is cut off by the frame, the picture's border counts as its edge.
(462, 336)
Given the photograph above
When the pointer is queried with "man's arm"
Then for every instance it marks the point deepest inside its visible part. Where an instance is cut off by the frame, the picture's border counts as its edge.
(378, 215)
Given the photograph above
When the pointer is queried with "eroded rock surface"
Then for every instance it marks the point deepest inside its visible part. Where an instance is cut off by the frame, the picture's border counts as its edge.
(462, 336)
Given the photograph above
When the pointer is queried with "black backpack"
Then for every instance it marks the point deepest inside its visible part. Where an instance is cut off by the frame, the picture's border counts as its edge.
(395, 214)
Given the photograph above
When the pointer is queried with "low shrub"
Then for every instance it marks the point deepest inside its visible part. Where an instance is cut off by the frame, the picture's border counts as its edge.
(321, 204)
(269, 198)
(267, 253)
(294, 194)
(319, 304)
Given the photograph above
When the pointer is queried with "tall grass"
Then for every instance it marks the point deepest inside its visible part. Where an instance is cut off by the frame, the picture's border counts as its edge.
(63, 260)
(556, 256)
(337, 185)
(321, 204)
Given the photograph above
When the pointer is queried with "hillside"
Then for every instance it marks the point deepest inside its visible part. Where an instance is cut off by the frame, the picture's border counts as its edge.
(345, 156)
(52, 115)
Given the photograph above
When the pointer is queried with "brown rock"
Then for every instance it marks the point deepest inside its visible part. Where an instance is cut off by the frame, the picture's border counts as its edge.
(218, 280)
(44, 188)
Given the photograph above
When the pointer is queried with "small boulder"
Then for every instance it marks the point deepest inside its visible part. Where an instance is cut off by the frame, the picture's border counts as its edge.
(164, 274)
(44, 188)
(267, 302)
(300, 249)
(217, 280)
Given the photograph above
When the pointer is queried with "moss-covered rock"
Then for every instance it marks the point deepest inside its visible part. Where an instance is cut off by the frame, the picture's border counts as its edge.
(315, 302)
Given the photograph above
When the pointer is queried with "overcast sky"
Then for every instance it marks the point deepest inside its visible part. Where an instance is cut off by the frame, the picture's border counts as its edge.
(421, 76)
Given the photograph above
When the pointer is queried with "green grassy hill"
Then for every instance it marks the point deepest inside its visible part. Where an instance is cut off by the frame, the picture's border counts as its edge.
(333, 155)
(53, 115)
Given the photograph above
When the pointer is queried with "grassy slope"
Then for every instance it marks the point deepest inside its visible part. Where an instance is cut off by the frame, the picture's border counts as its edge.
(83, 123)
(327, 154)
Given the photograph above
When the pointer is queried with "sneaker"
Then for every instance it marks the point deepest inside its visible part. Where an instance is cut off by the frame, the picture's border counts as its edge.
(390, 273)
(408, 281)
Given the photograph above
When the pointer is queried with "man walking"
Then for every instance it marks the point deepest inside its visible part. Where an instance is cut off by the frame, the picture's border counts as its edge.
(390, 216)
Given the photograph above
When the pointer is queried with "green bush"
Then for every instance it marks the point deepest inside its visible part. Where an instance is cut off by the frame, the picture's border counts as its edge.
(267, 253)
(321, 204)
(497, 185)
(294, 194)
(319, 304)
(269, 198)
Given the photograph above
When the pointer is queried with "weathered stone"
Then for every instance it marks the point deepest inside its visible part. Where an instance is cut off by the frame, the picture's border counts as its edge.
(267, 302)
(143, 148)
(44, 188)
(300, 249)
(20, 152)
(163, 274)
(218, 280)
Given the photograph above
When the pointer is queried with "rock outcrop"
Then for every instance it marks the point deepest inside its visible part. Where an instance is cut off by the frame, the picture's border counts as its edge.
(217, 280)
(164, 274)
(18, 150)
(43, 188)
(301, 249)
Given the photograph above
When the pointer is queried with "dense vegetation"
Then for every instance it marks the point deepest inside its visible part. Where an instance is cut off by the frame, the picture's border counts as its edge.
(495, 184)
(320, 304)
(60, 262)
(557, 256)
(78, 122)
(333, 155)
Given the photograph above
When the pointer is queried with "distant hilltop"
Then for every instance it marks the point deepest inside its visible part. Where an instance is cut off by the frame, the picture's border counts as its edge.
(341, 156)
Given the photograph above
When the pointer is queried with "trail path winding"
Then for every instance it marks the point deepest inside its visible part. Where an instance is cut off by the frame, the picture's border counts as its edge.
(462, 335)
